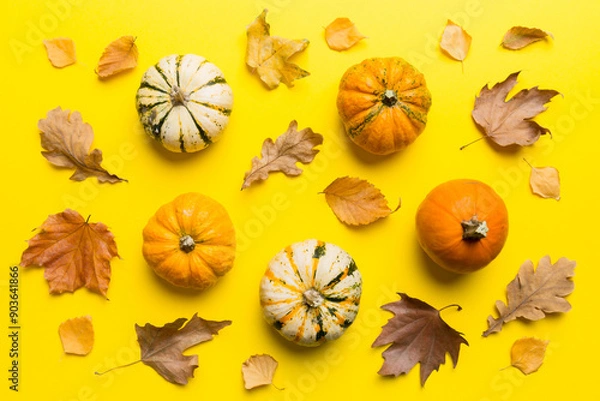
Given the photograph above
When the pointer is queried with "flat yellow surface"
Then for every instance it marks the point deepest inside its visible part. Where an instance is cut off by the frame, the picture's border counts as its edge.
(283, 210)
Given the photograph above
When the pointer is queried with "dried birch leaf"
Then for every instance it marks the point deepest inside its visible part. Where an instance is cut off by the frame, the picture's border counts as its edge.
(119, 55)
(527, 354)
(342, 34)
(258, 371)
(61, 51)
(77, 335)
(455, 41)
(518, 37)
(545, 182)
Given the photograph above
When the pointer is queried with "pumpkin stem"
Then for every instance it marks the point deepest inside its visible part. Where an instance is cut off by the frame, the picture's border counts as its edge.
(178, 97)
(389, 97)
(187, 243)
(313, 298)
(474, 229)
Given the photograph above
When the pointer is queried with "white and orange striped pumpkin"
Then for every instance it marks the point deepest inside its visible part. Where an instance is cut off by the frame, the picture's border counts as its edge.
(184, 102)
(310, 292)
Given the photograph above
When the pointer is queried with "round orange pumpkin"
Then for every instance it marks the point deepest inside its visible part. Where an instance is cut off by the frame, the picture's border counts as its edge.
(383, 104)
(462, 225)
(190, 241)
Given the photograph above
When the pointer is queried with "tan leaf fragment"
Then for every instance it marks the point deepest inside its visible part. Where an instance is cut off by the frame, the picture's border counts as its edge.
(77, 335)
(342, 34)
(535, 293)
(455, 41)
(545, 182)
(519, 37)
(258, 370)
(67, 141)
(510, 122)
(268, 55)
(118, 56)
(356, 202)
(282, 155)
(527, 354)
(61, 51)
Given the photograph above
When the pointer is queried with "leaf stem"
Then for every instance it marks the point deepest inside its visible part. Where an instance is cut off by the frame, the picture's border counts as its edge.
(117, 367)
(457, 306)
(472, 142)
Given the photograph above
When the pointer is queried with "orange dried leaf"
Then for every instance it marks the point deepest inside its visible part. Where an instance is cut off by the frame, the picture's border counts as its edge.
(61, 51)
(342, 34)
(518, 37)
(455, 41)
(77, 335)
(258, 371)
(545, 182)
(119, 55)
(527, 354)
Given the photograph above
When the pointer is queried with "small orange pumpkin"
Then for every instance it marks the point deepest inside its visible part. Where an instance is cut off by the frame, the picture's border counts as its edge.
(462, 225)
(383, 104)
(190, 241)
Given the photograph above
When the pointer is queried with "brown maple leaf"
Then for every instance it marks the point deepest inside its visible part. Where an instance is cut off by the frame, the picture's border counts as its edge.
(342, 34)
(67, 141)
(282, 155)
(268, 55)
(120, 55)
(510, 122)
(418, 335)
(74, 252)
(455, 41)
(518, 37)
(534, 293)
(258, 370)
(356, 202)
(61, 51)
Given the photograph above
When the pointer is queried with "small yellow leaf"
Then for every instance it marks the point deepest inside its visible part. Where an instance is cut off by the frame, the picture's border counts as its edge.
(342, 34)
(545, 182)
(119, 55)
(61, 51)
(527, 354)
(455, 41)
(77, 335)
(258, 371)
(518, 37)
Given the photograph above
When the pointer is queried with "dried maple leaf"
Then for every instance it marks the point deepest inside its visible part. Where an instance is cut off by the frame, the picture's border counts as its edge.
(61, 51)
(510, 122)
(74, 252)
(518, 37)
(290, 147)
(119, 55)
(77, 335)
(418, 335)
(455, 41)
(342, 34)
(534, 293)
(258, 371)
(527, 354)
(268, 55)
(67, 141)
(545, 182)
(356, 202)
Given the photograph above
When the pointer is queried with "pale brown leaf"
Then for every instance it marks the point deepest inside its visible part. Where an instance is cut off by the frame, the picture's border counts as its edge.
(67, 141)
(455, 41)
(527, 354)
(545, 182)
(510, 122)
(258, 370)
(120, 55)
(342, 34)
(518, 37)
(355, 201)
(61, 51)
(418, 334)
(282, 155)
(535, 293)
(77, 335)
(268, 55)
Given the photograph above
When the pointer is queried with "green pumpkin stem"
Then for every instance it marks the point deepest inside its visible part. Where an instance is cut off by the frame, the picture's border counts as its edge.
(473, 229)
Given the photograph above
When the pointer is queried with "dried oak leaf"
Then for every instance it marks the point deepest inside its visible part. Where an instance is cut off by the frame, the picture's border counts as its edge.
(258, 370)
(545, 182)
(527, 354)
(342, 34)
(455, 41)
(61, 51)
(118, 56)
(535, 293)
(74, 252)
(162, 347)
(268, 55)
(77, 335)
(67, 141)
(356, 202)
(518, 37)
(510, 122)
(290, 147)
(418, 335)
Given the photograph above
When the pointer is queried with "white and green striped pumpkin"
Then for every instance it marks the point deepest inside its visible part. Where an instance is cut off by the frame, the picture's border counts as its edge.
(184, 102)
(310, 292)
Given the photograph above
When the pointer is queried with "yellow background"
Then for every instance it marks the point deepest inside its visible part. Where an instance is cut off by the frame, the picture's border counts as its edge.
(283, 210)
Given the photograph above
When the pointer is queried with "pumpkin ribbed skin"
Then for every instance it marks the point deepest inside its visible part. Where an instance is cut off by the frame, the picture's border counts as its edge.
(310, 292)
(190, 241)
(462, 225)
(184, 102)
(383, 104)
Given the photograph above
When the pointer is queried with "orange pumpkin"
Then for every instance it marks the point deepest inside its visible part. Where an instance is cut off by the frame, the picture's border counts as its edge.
(462, 225)
(190, 241)
(383, 104)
